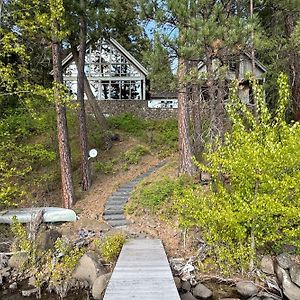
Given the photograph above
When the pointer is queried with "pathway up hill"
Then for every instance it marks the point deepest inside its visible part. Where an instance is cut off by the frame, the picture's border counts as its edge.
(114, 209)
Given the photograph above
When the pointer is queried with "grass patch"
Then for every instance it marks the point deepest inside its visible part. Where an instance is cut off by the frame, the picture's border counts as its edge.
(157, 196)
(160, 135)
(122, 162)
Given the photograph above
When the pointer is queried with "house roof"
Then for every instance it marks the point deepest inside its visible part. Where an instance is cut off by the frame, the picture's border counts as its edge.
(248, 55)
(69, 58)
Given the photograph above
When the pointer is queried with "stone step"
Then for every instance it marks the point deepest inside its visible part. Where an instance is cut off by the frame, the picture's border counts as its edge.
(128, 185)
(112, 205)
(113, 212)
(120, 193)
(117, 223)
(118, 197)
(125, 189)
(114, 217)
(116, 202)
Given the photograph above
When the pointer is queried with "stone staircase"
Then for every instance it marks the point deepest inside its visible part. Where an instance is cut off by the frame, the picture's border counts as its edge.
(114, 209)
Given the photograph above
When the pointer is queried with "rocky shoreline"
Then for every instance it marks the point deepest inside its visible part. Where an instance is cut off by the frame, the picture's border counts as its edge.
(276, 278)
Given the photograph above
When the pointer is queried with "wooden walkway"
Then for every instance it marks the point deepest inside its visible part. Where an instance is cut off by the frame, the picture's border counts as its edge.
(142, 272)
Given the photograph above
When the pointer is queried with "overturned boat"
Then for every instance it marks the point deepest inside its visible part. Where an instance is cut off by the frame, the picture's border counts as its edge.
(49, 214)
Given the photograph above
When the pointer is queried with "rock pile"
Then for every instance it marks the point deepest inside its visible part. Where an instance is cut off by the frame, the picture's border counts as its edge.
(89, 273)
(281, 275)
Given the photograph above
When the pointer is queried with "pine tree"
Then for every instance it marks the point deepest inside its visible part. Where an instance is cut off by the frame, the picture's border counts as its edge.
(199, 31)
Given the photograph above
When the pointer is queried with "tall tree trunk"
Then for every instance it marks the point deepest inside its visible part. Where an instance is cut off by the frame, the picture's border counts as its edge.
(85, 166)
(195, 111)
(212, 105)
(294, 65)
(186, 165)
(62, 131)
(89, 94)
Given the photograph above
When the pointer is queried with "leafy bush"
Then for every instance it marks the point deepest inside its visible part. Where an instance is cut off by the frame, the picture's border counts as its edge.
(111, 246)
(154, 195)
(254, 201)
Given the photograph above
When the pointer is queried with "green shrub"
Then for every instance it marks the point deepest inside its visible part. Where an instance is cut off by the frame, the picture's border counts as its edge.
(254, 201)
(154, 195)
(133, 156)
(111, 246)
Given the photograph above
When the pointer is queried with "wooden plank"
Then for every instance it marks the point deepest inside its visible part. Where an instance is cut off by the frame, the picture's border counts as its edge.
(142, 272)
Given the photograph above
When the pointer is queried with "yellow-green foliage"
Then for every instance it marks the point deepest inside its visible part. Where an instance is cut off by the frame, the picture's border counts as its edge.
(64, 266)
(111, 246)
(157, 195)
(20, 233)
(254, 201)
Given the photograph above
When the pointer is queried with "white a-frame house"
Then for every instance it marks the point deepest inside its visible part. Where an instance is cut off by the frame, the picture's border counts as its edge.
(113, 73)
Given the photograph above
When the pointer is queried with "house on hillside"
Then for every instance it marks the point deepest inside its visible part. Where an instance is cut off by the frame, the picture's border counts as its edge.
(117, 80)
(113, 73)
(239, 68)
(120, 82)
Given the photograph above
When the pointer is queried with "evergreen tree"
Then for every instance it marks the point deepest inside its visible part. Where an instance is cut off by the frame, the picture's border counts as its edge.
(159, 65)
(280, 52)
(47, 17)
(203, 31)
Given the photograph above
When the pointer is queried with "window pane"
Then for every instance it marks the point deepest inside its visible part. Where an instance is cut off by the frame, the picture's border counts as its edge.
(104, 90)
(125, 90)
(135, 88)
(104, 70)
(105, 52)
(95, 88)
(71, 70)
(72, 87)
(94, 70)
(115, 70)
(115, 56)
(124, 70)
(132, 71)
(115, 90)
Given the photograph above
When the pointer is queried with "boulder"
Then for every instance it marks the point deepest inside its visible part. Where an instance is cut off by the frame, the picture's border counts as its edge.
(17, 260)
(246, 288)
(89, 268)
(187, 296)
(28, 293)
(290, 289)
(284, 260)
(267, 265)
(100, 285)
(186, 286)
(46, 239)
(202, 292)
(279, 273)
(177, 281)
(13, 286)
(295, 273)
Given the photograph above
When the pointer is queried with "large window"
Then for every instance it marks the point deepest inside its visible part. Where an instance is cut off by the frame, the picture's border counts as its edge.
(117, 89)
(110, 73)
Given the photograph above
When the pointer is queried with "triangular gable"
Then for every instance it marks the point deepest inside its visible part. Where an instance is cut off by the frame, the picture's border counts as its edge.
(68, 60)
